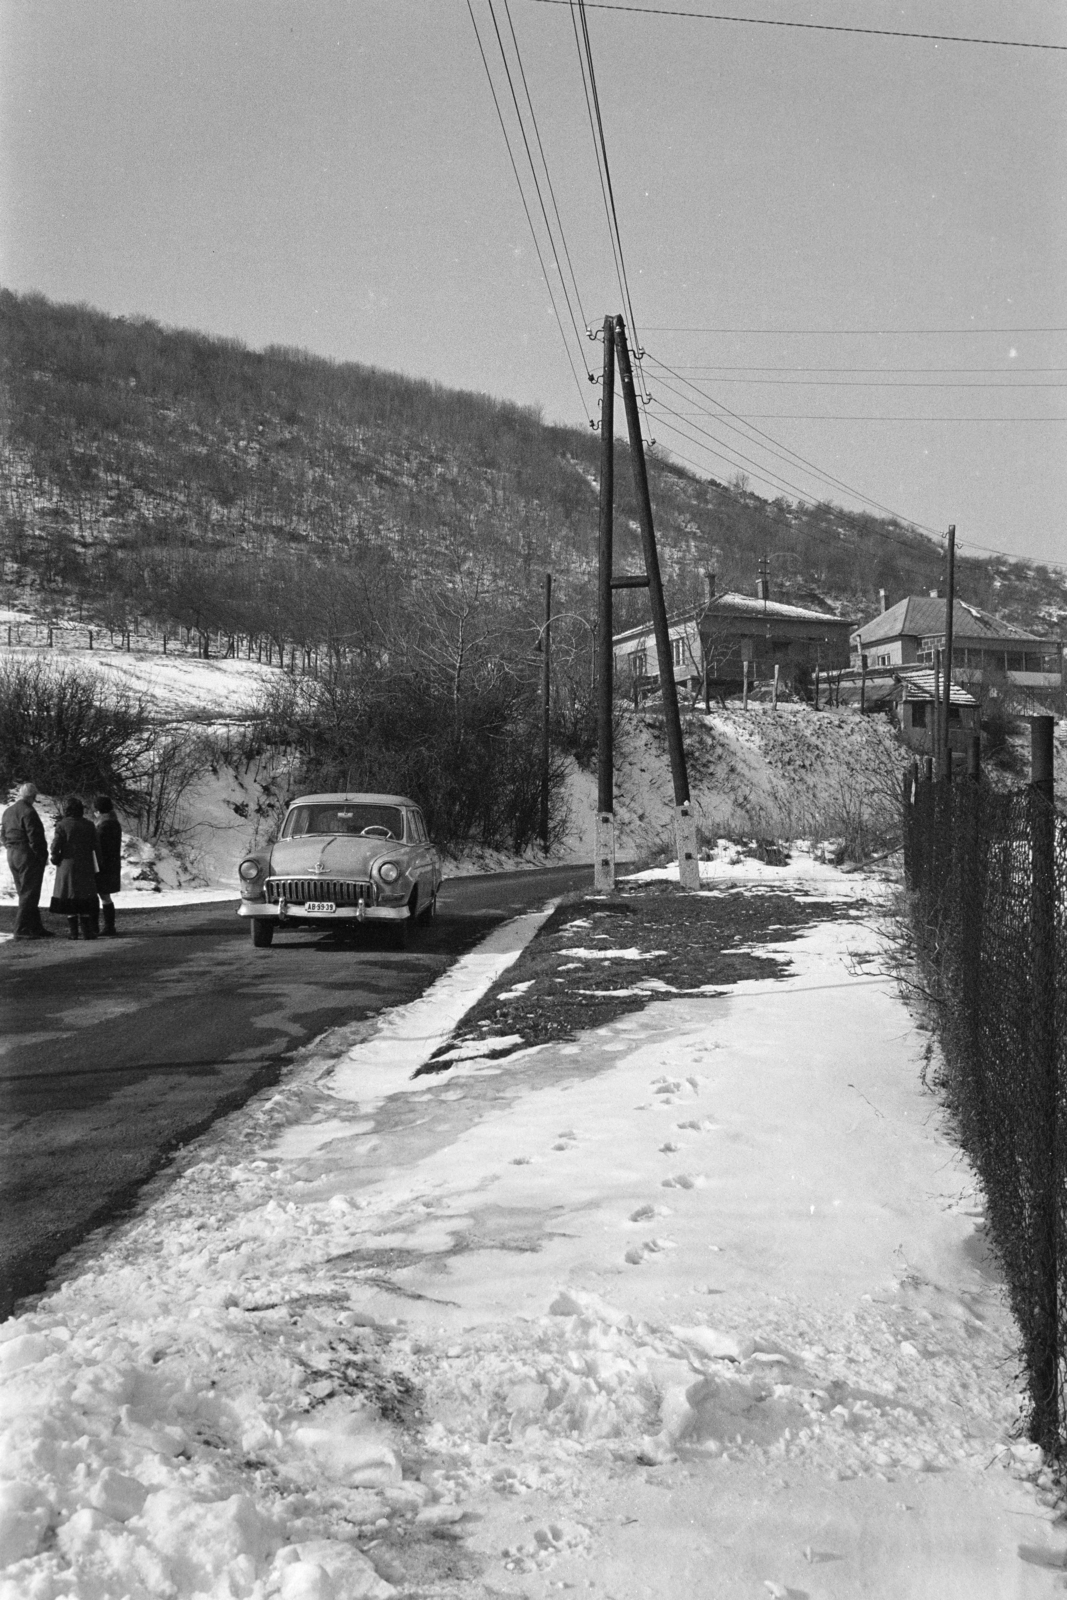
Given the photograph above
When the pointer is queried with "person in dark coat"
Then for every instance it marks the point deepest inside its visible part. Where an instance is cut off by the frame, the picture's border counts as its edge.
(22, 832)
(108, 857)
(74, 856)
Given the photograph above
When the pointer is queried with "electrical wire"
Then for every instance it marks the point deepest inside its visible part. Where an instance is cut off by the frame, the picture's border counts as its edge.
(873, 383)
(585, 49)
(919, 528)
(596, 146)
(832, 333)
(811, 27)
(830, 482)
(777, 446)
(529, 218)
(763, 474)
(829, 416)
(533, 168)
(1003, 371)
(548, 180)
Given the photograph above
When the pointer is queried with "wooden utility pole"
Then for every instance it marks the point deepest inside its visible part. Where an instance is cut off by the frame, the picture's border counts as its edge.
(604, 832)
(546, 688)
(684, 822)
(950, 606)
(935, 732)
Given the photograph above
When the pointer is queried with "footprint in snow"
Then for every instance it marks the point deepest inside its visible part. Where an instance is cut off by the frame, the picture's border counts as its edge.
(682, 1180)
(668, 1149)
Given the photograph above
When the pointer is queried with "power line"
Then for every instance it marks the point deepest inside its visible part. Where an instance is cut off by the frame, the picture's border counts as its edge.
(802, 460)
(526, 209)
(831, 482)
(869, 383)
(585, 49)
(762, 473)
(1003, 371)
(548, 175)
(826, 416)
(810, 27)
(832, 333)
(533, 168)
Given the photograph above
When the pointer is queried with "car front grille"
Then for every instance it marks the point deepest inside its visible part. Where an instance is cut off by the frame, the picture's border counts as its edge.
(342, 891)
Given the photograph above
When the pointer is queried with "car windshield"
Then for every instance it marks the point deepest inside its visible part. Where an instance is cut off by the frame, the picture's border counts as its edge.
(387, 822)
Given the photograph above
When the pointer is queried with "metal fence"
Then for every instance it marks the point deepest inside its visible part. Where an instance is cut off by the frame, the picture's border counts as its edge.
(987, 875)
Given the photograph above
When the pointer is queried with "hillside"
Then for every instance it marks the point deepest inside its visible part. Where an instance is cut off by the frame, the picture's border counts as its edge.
(182, 481)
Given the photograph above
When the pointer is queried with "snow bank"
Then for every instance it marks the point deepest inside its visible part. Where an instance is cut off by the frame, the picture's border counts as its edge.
(785, 774)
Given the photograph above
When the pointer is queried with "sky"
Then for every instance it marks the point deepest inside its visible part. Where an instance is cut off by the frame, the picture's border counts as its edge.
(334, 176)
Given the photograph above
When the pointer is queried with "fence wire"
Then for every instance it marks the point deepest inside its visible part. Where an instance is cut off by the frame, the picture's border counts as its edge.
(987, 875)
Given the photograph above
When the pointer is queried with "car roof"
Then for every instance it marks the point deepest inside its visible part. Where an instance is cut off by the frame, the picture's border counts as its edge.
(353, 799)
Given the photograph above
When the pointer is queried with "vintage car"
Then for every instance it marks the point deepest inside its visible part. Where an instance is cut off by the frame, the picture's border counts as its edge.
(342, 860)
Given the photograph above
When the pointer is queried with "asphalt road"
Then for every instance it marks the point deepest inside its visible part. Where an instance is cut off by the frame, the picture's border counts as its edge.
(115, 1053)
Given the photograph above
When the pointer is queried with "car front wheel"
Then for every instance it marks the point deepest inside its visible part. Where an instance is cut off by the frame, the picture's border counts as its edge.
(262, 932)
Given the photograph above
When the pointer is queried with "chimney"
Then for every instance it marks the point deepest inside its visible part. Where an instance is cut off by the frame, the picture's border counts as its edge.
(934, 594)
(763, 588)
(709, 582)
(881, 600)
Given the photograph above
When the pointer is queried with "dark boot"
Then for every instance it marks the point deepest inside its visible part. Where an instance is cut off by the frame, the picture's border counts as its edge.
(109, 918)
(88, 927)
(72, 924)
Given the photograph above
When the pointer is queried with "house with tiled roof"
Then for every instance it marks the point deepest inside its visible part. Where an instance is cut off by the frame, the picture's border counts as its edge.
(915, 701)
(730, 635)
(987, 653)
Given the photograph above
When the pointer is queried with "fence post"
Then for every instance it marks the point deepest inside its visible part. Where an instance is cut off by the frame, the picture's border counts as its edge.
(974, 757)
(1046, 1177)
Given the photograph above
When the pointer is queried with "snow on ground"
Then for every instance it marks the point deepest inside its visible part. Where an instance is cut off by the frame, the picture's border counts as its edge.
(694, 1305)
(790, 773)
(175, 685)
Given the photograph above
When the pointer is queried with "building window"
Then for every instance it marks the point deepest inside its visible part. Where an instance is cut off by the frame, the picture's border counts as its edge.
(918, 714)
(679, 652)
(1015, 661)
(637, 664)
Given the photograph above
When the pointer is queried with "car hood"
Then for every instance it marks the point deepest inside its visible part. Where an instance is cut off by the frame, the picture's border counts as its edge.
(340, 855)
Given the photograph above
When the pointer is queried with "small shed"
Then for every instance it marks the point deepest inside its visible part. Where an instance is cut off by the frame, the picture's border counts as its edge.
(912, 701)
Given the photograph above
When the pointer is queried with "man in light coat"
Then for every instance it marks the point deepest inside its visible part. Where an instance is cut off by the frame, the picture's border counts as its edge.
(23, 837)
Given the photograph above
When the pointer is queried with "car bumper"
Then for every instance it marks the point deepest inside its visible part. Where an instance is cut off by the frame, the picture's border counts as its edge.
(284, 912)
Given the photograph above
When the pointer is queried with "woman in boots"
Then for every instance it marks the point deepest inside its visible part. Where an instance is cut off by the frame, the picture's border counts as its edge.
(108, 857)
(73, 854)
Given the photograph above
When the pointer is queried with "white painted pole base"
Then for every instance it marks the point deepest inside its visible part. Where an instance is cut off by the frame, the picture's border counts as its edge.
(685, 833)
(604, 853)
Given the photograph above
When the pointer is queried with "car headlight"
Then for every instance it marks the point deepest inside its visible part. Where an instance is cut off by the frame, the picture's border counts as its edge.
(389, 871)
(249, 871)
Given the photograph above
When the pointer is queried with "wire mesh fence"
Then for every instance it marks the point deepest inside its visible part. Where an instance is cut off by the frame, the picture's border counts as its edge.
(987, 875)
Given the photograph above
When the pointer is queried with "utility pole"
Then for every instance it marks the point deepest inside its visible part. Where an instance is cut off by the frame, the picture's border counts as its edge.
(604, 832)
(546, 685)
(936, 746)
(684, 822)
(950, 603)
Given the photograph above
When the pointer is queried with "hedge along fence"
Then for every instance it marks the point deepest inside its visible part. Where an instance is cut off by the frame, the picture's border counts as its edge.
(987, 873)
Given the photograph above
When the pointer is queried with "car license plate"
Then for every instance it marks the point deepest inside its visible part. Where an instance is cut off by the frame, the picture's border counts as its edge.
(320, 905)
